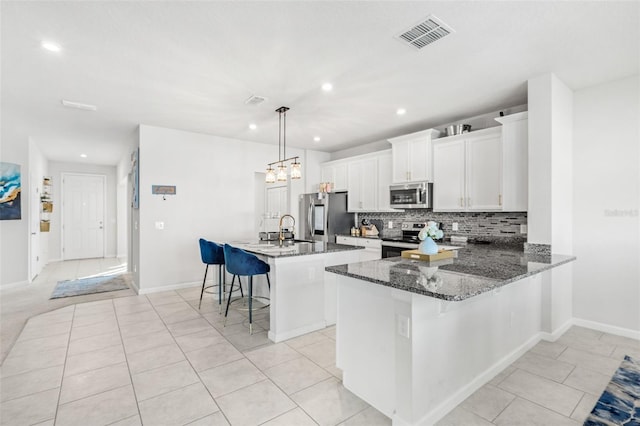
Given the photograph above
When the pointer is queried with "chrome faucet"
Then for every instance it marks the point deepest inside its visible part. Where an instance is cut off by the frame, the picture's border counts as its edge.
(281, 238)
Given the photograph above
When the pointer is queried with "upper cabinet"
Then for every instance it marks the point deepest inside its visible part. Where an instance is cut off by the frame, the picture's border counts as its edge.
(484, 170)
(366, 177)
(411, 156)
(336, 173)
(363, 185)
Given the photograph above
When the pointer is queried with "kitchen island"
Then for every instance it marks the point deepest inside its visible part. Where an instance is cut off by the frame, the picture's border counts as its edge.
(414, 339)
(303, 295)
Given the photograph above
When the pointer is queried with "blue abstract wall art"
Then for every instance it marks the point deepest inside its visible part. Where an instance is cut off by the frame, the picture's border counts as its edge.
(10, 191)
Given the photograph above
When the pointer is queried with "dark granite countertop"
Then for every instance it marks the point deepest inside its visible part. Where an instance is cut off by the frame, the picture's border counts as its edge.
(477, 269)
(289, 248)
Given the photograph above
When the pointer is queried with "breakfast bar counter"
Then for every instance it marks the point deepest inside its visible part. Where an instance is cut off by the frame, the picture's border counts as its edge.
(474, 270)
(303, 295)
(434, 332)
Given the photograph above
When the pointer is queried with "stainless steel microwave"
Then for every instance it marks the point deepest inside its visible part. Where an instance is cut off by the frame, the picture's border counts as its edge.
(411, 196)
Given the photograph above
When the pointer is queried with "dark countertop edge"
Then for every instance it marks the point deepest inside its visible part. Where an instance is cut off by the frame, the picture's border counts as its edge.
(450, 298)
(342, 247)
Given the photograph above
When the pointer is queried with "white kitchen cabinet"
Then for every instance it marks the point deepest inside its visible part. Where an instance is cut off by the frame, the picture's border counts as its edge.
(515, 164)
(449, 176)
(484, 173)
(468, 172)
(362, 184)
(367, 179)
(372, 246)
(384, 180)
(336, 173)
(411, 156)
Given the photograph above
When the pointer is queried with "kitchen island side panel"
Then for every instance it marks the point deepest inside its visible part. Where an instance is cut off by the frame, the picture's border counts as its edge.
(453, 348)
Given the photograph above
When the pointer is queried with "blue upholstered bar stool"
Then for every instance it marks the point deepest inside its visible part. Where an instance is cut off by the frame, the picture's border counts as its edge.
(240, 263)
(213, 254)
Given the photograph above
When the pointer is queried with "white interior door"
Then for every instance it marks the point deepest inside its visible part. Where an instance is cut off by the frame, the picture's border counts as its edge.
(83, 216)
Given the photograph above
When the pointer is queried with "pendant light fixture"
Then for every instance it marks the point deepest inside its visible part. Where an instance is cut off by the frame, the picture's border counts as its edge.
(296, 168)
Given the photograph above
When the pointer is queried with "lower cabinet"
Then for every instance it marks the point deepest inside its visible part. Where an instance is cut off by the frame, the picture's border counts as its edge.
(372, 246)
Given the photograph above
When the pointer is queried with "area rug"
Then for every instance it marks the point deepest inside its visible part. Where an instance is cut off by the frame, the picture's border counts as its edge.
(620, 401)
(90, 285)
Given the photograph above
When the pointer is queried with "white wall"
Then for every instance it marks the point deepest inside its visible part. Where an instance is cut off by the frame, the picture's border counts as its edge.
(215, 187)
(14, 240)
(606, 190)
(38, 243)
(540, 99)
(55, 236)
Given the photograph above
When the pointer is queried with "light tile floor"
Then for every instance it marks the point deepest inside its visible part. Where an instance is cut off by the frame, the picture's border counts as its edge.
(157, 360)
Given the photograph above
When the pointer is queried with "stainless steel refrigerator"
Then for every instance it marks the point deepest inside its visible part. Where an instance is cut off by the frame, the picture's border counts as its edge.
(323, 216)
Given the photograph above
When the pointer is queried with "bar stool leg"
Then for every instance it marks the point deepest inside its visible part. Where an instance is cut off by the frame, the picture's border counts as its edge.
(203, 283)
(226, 312)
(220, 290)
(250, 304)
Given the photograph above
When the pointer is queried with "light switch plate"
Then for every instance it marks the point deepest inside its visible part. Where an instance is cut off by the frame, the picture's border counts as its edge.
(160, 225)
(454, 226)
(523, 228)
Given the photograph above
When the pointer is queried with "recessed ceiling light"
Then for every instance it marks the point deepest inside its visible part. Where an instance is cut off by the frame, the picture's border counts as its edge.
(401, 111)
(50, 46)
(83, 155)
(252, 126)
(327, 87)
(316, 138)
(78, 105)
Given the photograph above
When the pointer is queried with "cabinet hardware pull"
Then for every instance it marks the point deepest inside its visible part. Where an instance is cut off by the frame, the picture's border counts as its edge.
(499, 199)
(469, 202)
(461, 202)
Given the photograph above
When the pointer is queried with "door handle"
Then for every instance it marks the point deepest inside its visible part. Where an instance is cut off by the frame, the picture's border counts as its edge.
(33, 233)
(309, 219)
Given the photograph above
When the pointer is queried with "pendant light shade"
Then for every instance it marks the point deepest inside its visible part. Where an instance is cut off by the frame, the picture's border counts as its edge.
(296, 168)
(282, 173)
(270, 176)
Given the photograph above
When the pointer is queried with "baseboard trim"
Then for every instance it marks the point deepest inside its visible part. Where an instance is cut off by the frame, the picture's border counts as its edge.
(13, 285)
(168, 287)
(485, 377)
(611, 329)
(135, 286)
(552, 337)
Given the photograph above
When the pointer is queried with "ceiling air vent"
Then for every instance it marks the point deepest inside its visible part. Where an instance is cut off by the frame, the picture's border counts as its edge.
(426, 32)
(255, 100)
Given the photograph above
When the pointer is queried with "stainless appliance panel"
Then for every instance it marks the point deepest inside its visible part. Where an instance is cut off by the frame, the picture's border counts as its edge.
(322, 218)
(411, 195)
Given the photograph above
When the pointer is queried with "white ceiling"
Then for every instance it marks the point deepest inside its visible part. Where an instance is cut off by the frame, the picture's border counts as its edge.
(191, 66)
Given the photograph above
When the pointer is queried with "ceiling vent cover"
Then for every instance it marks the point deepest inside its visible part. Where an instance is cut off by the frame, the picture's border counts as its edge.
(255, 100)
(426, 32)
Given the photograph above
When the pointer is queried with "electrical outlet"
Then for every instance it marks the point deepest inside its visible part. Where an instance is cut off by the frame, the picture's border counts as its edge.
(390, 224)
(160, 225)
(454, 226)
(523, 228)
(404, 326)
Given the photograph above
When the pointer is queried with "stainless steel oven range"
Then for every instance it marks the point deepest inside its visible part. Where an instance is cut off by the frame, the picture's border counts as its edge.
(393, 247)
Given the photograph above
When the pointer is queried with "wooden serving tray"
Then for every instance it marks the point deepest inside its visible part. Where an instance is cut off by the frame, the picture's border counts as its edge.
(417, 255)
